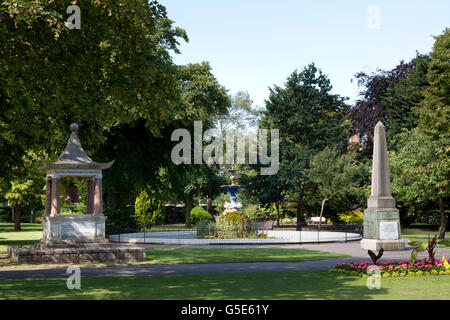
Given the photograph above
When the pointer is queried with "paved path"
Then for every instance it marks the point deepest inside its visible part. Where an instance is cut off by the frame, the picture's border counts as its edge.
(208, 268)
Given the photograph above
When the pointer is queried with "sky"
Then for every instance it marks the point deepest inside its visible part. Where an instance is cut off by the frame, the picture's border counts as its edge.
(252, 45)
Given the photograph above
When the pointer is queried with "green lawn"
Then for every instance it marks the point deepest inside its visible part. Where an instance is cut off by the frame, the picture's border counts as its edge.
(264, 285)
(444, 244)
(30, 233)
(196, 255)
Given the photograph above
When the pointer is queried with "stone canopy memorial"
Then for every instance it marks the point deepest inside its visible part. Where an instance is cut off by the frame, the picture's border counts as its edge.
(74, 238)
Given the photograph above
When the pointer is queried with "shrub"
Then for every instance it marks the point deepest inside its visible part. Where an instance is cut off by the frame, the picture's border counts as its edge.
(288, 220)
(219, 202)
(149, 208)
(254, 212)
(205, 229)
(120, 216)
(198, 213)
(233, 224)
(351, 217)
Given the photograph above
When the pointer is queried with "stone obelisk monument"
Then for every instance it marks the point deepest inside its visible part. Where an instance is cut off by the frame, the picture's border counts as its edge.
(381, 218)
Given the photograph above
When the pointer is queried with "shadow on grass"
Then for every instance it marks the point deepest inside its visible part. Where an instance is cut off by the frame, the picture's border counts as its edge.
(17, 242)
(258, 285)
(198, 255)
(25, 227)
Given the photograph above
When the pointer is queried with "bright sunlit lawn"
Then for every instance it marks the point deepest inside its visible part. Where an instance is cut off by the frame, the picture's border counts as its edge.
(258, 285)
(31, 233)
(199, 255)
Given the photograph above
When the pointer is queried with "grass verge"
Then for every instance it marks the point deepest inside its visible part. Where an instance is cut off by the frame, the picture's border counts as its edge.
(200, 255)
(259, 285)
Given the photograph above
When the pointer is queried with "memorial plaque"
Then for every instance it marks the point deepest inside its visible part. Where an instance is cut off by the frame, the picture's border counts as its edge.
(78, 230)
(388, 230)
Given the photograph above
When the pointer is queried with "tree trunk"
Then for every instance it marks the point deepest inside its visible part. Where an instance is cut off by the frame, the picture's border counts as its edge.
(32, 216)
(277, 207)
(300, 207)
(209, 206)
(12, 213)
(188, 202)
(444, 219)
(17, 218)
(321, 211)
(112, 200)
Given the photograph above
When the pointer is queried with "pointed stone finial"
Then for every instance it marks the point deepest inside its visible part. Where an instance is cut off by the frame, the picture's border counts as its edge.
(381, 196)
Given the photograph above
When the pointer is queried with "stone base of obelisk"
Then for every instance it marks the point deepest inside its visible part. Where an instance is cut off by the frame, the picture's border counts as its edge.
(382, 230)
(387, 245)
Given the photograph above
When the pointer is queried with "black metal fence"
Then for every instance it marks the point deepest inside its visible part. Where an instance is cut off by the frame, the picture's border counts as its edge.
(321, 230)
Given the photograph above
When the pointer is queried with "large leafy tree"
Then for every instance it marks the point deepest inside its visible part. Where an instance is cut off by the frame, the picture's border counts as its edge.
(434, 111)
(309, 117)
(421, 172)
(186, 183)
(426, 174)
(114, 76)
(203, 99)
(388, 96)
(241, 114)
(139, 153)
(25, 188)
(421, 164)
(403, 96)
(113, 70)
(336, 175)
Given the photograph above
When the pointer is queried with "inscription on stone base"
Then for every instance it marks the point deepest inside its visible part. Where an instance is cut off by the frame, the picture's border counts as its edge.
(389, 230)
(78, 229)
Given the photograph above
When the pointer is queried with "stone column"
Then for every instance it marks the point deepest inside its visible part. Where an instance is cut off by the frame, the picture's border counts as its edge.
(55, 196)
(48, 196)
(381, 196)
(98, 197)
(90, 196)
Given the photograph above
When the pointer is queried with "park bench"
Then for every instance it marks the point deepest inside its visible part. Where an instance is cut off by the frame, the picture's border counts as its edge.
(315, 220)
(264, 225)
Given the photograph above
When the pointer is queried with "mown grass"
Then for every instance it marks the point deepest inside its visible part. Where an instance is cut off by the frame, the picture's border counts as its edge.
(30, 233)
(296, 285)
(201, 255)
(443, 244)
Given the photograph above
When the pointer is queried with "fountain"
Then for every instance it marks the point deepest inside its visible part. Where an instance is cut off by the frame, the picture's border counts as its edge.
(233, 205)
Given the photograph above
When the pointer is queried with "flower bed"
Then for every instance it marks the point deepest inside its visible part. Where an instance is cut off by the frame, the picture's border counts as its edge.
(390, 268)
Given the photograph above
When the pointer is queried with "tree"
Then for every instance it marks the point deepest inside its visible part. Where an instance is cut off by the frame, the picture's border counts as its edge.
(420, 172)
(425, 176)
(17, 196)
(336, 175)
(194, 181)
(385, 95)
(202, 99)
(434, 111)
(26, 186)
(240, 114)
(149, 208)
(113, 70)
(267, 189)
(310, 118)
(403, 96)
